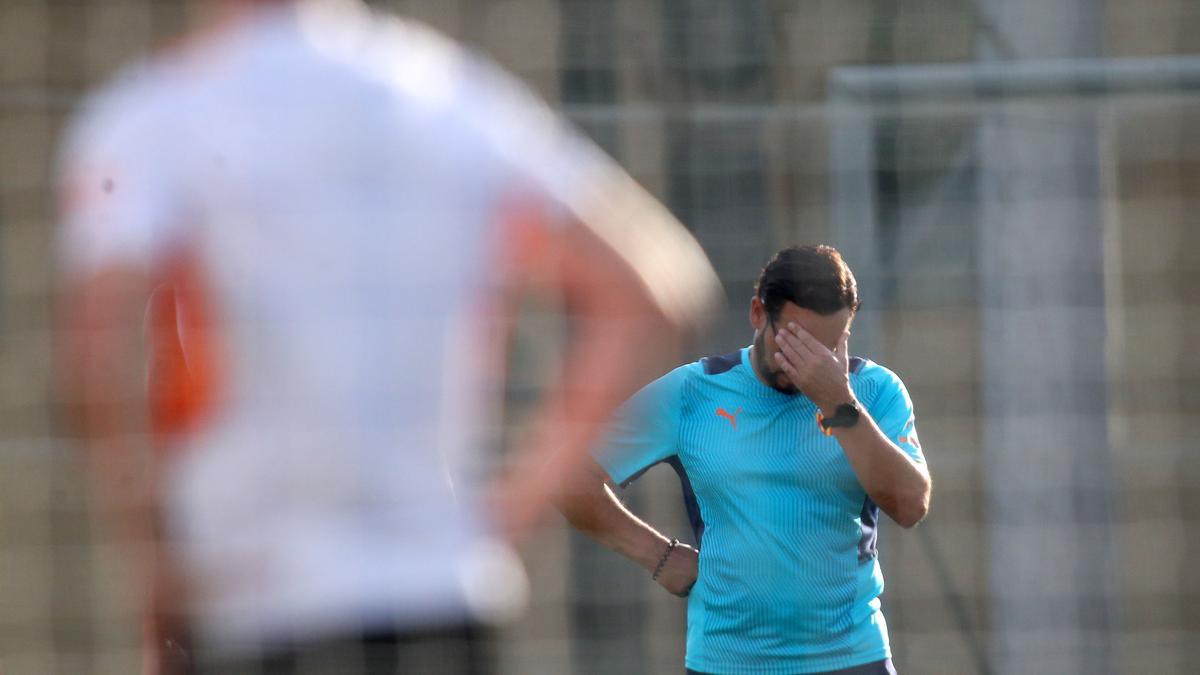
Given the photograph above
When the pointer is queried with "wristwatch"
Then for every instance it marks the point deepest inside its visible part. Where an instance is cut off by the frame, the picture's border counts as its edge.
(845, 415)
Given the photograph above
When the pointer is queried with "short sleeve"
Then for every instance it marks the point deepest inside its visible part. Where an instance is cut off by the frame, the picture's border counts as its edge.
(892, 411)
(645, 430)
(117, 183)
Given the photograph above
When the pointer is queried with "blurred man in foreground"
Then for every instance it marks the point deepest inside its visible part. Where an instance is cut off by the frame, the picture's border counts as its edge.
(787, 450)
(331, 207)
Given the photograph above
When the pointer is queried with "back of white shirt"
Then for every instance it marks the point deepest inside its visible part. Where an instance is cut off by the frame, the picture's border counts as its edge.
(340, 183)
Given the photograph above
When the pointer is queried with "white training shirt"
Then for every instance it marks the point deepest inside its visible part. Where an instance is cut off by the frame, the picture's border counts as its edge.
(341, 181)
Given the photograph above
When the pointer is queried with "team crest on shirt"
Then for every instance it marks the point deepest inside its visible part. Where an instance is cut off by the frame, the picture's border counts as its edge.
(731, 416)
(911, 439)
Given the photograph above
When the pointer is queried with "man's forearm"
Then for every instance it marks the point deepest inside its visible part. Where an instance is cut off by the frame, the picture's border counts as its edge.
(897, 483)
(592, 508)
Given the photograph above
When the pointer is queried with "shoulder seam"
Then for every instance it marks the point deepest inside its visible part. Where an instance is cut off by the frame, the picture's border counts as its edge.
(717, 365)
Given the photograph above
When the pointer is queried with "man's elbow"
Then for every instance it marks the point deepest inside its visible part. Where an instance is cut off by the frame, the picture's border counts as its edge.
(581, 502)
(568, 501)
(910, 509)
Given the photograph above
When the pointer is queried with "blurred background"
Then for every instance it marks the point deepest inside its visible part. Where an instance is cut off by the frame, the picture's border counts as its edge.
(1015, 183)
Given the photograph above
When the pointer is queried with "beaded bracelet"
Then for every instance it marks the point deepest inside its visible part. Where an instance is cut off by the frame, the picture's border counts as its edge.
(663, 560)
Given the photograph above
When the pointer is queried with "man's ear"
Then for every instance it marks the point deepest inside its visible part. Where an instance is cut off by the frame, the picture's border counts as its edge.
(758, 314)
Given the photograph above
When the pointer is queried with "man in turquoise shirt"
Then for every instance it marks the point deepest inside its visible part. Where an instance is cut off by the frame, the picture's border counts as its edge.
(787, 450)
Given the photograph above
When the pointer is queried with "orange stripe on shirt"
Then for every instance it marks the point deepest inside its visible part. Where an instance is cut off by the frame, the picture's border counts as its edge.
(183, 372)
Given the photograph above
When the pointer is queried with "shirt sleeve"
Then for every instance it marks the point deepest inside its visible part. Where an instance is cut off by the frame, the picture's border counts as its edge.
(645, 430)
(892, 411)
(117, 185)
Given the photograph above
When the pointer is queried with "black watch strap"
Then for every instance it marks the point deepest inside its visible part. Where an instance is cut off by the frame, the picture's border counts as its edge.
(844, 416)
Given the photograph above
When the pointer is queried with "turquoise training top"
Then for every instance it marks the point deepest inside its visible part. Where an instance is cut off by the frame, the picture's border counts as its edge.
(789, 581)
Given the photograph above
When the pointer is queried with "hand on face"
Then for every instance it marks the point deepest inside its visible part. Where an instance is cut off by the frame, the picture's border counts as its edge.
(822, 375)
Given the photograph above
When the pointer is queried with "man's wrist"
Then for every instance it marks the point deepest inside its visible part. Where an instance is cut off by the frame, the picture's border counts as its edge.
(829, 407)
(649, 552)
(844, 416)
(662, 561)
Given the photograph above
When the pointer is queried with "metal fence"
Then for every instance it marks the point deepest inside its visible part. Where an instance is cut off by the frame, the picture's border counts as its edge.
(1020, 214)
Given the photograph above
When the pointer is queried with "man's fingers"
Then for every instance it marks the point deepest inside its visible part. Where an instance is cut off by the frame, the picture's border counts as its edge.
(791, 351)
(802, 339)
(681, 571)
(689, 560)
(789, 336)
(787, 366)
(806, 338)
(797, 349)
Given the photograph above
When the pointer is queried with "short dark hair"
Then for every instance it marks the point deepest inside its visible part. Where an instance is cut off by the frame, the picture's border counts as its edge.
(812, 277)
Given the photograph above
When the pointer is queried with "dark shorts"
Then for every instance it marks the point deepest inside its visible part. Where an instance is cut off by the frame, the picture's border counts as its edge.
(459, 650)
(883, 667)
